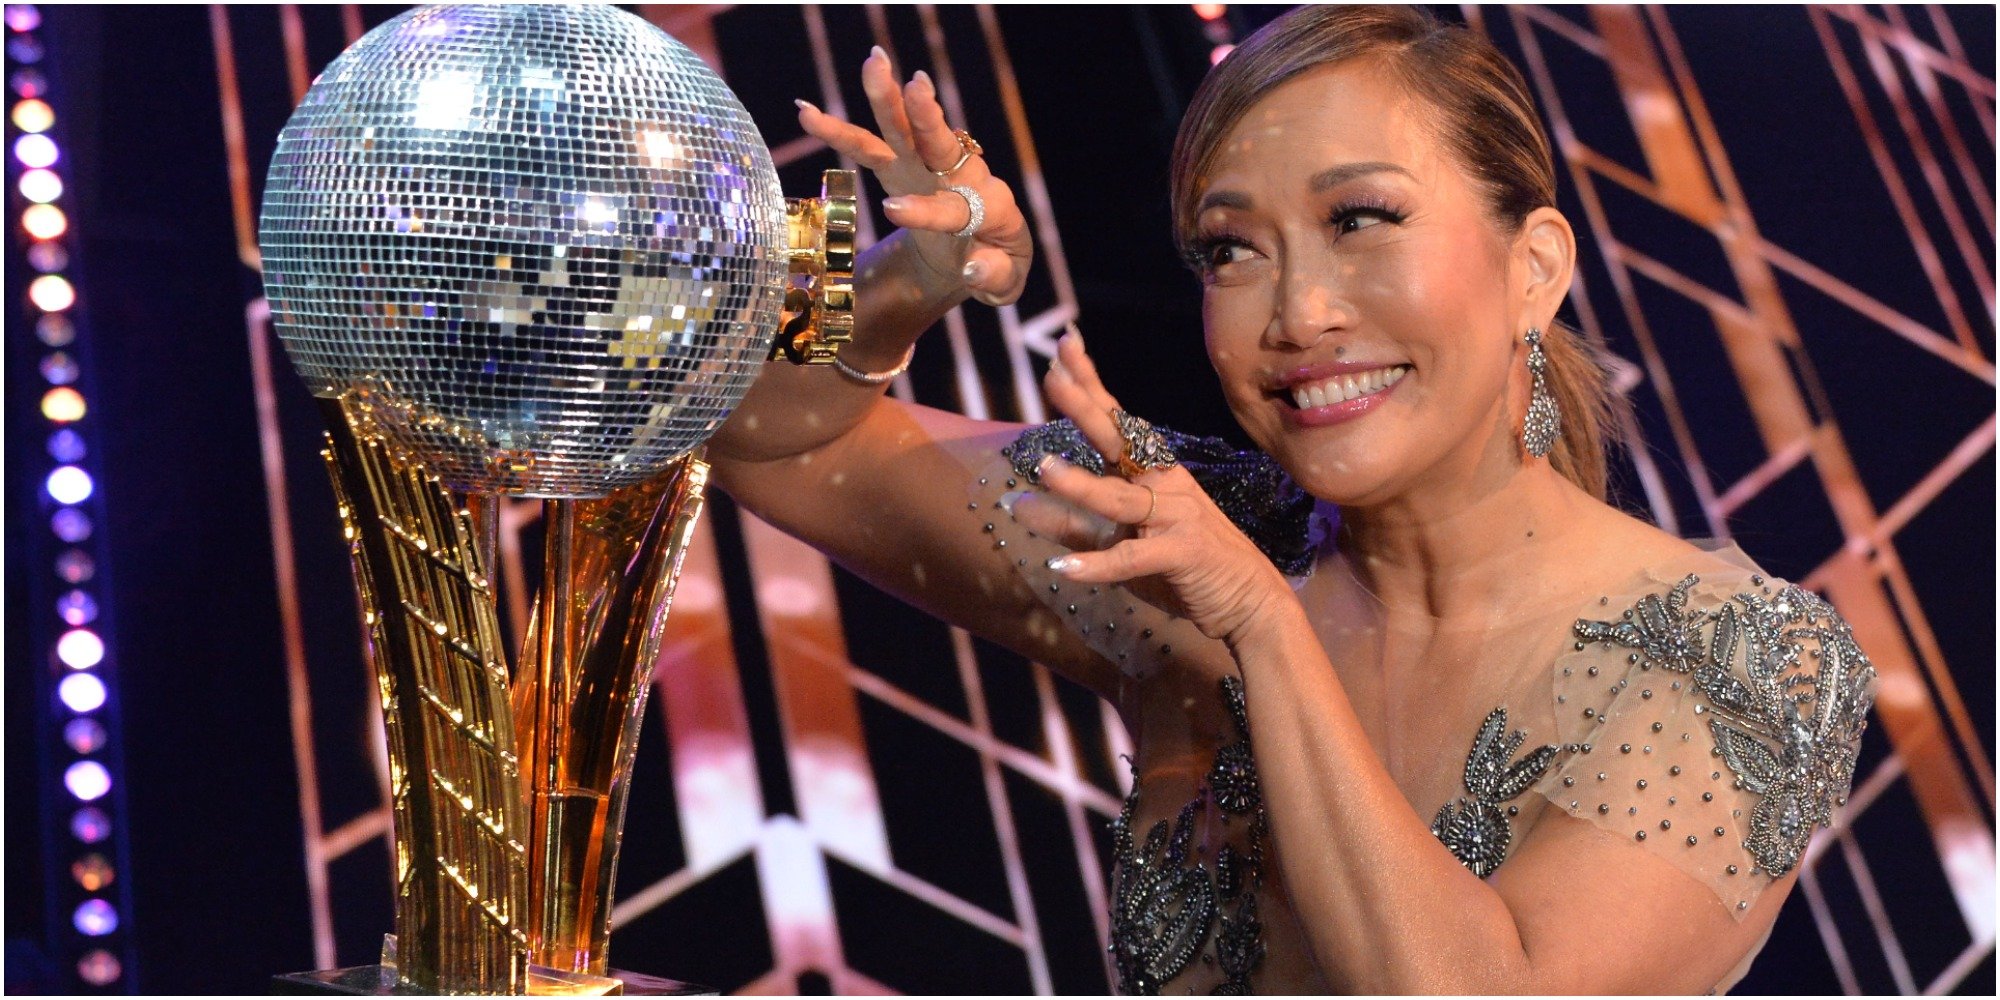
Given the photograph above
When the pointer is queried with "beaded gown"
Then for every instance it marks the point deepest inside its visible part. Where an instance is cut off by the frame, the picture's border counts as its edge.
(1695, 709)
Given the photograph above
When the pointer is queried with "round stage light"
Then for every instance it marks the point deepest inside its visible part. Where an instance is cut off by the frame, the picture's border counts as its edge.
(70, 525)
(82, 693)
(66, 446)
(28, 82)
(23, 17)
(69, 484)
(92, 872)
(77, 607)
(42, 186)
(85, 736)
(51, 292)
(87, 779)
(75, 566)
(1210, 11)
(24, 49)
(45, 222)
(63, 405)
(90, 825)
(33, 115)
(1220, 53)
(80, 649)
(59, 369)
(47, 255)
(35, 150)
(55, 329)
(95, 917)
(99, 968)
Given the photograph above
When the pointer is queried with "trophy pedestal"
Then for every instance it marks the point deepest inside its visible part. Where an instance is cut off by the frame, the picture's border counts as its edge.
(381, 981)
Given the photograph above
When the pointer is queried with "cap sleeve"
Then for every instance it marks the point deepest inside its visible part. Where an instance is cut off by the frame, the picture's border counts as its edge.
(1713, 722)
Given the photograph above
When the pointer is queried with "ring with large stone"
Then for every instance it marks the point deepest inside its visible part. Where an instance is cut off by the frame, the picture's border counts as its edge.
(1146, 449)
(968, 147)
(974, 204)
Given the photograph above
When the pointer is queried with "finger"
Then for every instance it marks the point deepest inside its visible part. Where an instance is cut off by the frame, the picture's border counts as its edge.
(1073, 387)
(933, 138)
(1060, 521)
(846, 138)
(885, 99)
(943, 212)
(1108, 497)
(990, 274)
(1128, 560)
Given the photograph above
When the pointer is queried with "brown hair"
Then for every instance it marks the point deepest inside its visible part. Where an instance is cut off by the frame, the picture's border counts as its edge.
(1485, 115)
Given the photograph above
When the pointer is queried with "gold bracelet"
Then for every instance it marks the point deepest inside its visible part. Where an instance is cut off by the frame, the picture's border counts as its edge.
(874, 378)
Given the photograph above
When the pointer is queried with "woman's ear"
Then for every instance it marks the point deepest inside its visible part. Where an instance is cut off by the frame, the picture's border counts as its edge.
(1546, 253)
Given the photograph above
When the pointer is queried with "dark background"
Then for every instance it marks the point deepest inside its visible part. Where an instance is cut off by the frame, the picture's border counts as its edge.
(215, 869)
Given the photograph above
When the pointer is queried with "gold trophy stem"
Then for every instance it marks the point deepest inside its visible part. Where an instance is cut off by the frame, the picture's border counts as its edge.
(611, 566)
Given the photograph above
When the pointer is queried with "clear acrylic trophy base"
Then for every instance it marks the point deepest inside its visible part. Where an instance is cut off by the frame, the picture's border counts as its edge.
(380, 980)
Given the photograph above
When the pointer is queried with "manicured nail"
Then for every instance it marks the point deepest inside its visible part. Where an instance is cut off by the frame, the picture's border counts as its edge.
(972, 270)
(924, 78)
(1049, 463)
(805, 105)
(896, 204)
(877, 53)
(1065, 564)
(1008, 499)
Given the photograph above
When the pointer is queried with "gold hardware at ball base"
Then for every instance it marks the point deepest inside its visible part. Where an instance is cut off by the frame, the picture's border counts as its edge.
(818, 315)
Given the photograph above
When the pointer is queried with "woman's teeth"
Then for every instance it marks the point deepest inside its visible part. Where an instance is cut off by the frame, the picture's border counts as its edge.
(1341, 388)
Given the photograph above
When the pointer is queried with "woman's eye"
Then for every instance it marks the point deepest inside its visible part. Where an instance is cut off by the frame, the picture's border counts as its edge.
(1221, 251)
(1355, 219)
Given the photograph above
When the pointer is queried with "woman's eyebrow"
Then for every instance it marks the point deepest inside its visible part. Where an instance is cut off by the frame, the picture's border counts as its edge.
(1328, 178)
(1336, 176)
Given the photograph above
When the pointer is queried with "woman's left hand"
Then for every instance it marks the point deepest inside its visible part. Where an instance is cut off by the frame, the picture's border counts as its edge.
(1176, 547)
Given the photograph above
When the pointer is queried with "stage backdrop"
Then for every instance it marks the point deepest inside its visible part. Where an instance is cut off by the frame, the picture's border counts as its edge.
(1787, 222)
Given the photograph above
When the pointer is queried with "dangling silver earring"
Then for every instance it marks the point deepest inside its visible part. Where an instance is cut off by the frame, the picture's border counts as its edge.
(1544, 423)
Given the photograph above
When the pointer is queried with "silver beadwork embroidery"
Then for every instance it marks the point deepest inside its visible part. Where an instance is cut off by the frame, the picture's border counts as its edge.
(1476, 829)
(1791, 733)
(1163, 906)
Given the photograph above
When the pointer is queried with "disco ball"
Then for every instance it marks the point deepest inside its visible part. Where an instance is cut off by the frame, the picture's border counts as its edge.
(545, 245)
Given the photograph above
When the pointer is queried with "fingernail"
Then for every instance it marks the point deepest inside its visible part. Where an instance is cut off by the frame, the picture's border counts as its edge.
(877, 53)
(972, 270)
(895, 204)
(924, 78)
(1064, 564)
(1072, 337)
(1049, 463)
(1056, 368)
(1008, 499)
(805, 105)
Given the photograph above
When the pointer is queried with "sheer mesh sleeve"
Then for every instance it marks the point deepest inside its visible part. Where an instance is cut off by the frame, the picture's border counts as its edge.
(1125, 630)
(1713, 722)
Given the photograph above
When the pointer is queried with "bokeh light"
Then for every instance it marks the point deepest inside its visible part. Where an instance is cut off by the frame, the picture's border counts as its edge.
(99, 968)
(59, 368)
(70, 525)
(51, 292)
(75, 566)
(85, 736)
(1220, 53)
(45, 222)
(41, 186)
(87, 779)
(92, 872)
(35, 151)
(77, 607)
(24, 49)
(47, 255)
(82, 693)
(23, 17)
(63, 405)
(69, 484)
(95, 917)
(33, 115)
(90, 825)
(80, 649)
(55, 329)
(28, 82)
(66, 445)
(1210, 11)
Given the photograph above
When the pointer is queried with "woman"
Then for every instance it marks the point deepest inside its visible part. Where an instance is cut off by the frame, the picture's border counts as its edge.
(1305, 642)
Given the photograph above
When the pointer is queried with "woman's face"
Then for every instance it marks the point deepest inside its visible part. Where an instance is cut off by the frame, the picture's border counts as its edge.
(1360, 305)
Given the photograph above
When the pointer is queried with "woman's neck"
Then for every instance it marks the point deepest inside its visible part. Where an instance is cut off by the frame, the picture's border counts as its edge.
(1469, 548)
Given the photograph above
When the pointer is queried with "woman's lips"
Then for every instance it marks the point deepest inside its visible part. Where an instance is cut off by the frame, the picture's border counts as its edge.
(1339, 398)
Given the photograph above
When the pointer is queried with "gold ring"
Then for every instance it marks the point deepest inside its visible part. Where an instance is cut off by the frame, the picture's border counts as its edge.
(968, 147)
(1152, 505)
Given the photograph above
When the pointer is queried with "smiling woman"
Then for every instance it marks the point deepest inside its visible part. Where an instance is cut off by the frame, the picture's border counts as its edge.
(1415, 709)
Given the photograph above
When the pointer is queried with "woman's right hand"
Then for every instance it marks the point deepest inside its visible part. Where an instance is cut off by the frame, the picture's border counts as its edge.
(915, 141)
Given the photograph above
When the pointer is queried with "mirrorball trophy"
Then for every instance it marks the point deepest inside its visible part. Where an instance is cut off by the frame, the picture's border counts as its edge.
(528, 251)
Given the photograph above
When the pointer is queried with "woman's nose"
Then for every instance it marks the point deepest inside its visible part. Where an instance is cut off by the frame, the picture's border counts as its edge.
(1310, 309)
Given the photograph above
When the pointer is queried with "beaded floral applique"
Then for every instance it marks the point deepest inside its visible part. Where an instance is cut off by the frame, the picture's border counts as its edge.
(1789, 729)
(1163, 905)
(1476, 829)
(1248, 486)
